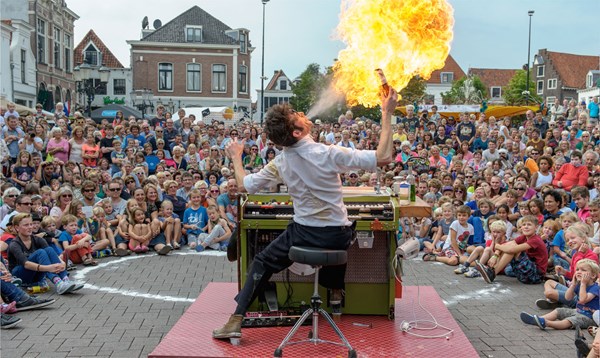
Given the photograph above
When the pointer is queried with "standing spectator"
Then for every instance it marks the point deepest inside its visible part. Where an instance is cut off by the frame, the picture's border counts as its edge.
(90, 152)
(465, 129)
(58, 147)
(76, 145)
(11, 134)
(593, 108)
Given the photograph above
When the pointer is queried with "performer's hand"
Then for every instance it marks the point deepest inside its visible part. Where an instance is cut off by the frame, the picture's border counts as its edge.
(389, 102)
(234, 149)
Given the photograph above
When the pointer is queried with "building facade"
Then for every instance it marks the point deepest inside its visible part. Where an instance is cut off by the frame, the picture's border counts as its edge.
(52, 44)
(92, 52)
(441, 81)
(277, 91)
(592, 87)
(561, 75)
(495, 81)
(194, 60)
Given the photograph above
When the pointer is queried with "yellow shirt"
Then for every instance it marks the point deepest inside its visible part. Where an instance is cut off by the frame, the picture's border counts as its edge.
(400, 137)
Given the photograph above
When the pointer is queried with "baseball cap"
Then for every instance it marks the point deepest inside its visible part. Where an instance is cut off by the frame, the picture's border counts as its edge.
(317, 121)
(447, 188)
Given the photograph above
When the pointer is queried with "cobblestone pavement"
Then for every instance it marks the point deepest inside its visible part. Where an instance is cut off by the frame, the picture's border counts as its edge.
(130, 303)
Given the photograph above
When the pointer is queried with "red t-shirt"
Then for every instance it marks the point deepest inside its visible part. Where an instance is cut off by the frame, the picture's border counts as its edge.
(538, 253)
(589, 254)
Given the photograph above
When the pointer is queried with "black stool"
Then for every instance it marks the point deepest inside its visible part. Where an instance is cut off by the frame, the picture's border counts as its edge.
(317, 258)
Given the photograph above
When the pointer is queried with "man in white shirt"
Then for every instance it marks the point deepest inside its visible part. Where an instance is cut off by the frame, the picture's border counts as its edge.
(320, 217)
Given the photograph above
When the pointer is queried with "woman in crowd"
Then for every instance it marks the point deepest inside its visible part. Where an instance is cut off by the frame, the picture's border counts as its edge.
(63, 199)
(76, 145)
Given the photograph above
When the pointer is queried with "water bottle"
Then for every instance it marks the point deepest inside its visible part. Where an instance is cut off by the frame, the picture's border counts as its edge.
(410, 179)
(404, 193)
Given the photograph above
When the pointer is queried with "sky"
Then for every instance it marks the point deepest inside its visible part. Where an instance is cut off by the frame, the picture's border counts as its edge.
(487, 34)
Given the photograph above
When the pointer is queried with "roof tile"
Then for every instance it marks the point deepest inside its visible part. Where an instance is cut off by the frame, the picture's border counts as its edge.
(572, 68)
(449, 66)
(108, 59)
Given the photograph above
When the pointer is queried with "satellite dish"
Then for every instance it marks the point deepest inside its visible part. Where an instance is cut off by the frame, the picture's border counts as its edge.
(157, 24)
(145, 22)
(302, 269)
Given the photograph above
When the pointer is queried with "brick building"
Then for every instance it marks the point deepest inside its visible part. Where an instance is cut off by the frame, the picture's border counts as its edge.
(495, 80)
(441, 80)
(194, 60)
(561, 75)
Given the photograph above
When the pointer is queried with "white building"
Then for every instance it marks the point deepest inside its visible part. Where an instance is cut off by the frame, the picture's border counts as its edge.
(592, 87)
(277, 91)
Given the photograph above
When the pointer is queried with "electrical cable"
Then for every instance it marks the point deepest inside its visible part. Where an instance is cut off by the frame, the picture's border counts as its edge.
(418, 324)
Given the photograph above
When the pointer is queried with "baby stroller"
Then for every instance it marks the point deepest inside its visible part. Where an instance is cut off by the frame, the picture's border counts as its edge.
(420, 165)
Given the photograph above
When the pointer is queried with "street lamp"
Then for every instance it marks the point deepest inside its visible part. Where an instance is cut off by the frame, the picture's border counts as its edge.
(146, 95)
(262, 73)
(86, 83)
(530, 13)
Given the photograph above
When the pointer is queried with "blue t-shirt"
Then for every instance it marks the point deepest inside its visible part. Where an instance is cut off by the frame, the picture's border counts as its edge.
(589, 308)
(559, 240)
(66, 237)
(593, 107)
(197, 217)
(230, 206)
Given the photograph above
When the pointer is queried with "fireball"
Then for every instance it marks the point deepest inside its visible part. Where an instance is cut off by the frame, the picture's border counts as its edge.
(404, 38)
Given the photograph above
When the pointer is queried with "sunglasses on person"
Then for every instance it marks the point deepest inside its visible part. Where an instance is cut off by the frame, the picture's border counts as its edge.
(26, 204)
(520, 189)
(11, 196)
(67, 196)
(88, 190)
(114, 189)
(214, 191)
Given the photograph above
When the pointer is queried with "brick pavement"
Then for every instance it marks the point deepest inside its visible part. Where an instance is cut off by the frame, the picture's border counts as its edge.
(130, 303)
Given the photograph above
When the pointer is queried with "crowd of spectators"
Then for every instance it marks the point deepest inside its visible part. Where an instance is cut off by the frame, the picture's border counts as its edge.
(81, 190)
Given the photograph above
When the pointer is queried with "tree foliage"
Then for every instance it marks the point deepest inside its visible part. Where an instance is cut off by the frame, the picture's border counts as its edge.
(306, 90)
(513, 93)
(462, 92)
(413, 92)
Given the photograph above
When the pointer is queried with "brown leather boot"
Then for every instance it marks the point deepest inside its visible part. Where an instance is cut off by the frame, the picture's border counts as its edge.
(231, 329)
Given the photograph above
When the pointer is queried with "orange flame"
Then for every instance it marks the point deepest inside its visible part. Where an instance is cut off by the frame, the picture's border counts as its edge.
(404, 38)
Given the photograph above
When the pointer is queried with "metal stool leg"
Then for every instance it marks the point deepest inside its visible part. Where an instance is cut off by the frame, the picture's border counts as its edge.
(315, 310)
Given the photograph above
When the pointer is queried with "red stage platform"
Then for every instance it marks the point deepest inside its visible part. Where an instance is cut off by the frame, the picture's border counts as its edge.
(191, 335)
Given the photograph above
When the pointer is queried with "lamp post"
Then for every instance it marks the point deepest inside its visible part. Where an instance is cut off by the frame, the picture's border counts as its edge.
(262, 72)
(530, 13)
(86, 84)
(146, 95)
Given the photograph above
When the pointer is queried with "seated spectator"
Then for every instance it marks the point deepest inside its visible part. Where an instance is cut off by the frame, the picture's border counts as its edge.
(571, 174)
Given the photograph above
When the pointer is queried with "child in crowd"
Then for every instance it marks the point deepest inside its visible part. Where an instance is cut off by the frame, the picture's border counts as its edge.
(581, 197)
(484, 208)
(122, 232)
(584, 290)
(75, 243)
(195, 219)
(526, 255)
(140, 232)
(524, 208)
(502, 213)
(577, 237)
(7, 236)
(101, 233)
(559, 247)
(216, 232)
(536, 208)
(112, 218)
(38, 207)
(547, 233)
(443, 229)
(170, 224)
(456, 242)
(497, 228)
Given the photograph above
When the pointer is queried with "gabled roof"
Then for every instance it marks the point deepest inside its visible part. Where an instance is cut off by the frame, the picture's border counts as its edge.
(493, 77)
(273, 82)
(449, 66)
(572, 68)
(108, 59)
(213, 30)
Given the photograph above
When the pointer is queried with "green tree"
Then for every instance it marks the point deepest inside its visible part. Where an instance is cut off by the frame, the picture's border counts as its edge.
(513, 93)
(306, 91)
(467, 90)
(413, 92)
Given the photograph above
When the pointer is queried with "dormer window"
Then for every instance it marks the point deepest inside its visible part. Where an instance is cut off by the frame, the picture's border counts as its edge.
(193, 33)
(91, 56)
(447, 77)
(243, 44)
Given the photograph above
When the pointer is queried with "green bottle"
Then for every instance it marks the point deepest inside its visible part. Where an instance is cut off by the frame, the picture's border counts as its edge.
(410, 178)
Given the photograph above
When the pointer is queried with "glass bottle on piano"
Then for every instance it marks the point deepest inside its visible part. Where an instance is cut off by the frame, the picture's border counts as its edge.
(410, 179)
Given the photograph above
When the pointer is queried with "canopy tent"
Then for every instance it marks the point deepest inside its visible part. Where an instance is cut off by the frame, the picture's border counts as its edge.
(496, 111)
(110, 111)
(23, 110)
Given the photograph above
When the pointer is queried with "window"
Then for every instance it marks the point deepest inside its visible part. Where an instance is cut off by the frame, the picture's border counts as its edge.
(283, 85)
(447, 77)
(41, 41)
(193, 77)
(100, 86)
(496, 92)
(552, 83)
(92, 56)
(219, 78)
(243, 44)
(57, 49)
(540, 87)
(165, 76)
(193, 34)
(67, 44)
(23, 63)
(119, 86)
(243, 79)
(589, 81)
(541, 70)
(550, 102)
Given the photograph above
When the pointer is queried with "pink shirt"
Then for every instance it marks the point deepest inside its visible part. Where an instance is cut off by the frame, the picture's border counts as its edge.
(64, 144)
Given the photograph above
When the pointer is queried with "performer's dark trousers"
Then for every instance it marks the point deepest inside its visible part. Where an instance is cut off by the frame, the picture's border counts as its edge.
(274, 258)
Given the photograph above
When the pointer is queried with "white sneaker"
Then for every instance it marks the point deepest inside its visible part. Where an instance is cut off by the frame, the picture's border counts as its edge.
(461, 269)
(65, 287)
(78, 285)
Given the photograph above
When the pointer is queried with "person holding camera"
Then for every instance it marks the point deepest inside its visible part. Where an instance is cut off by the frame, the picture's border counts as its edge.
(31, 143)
